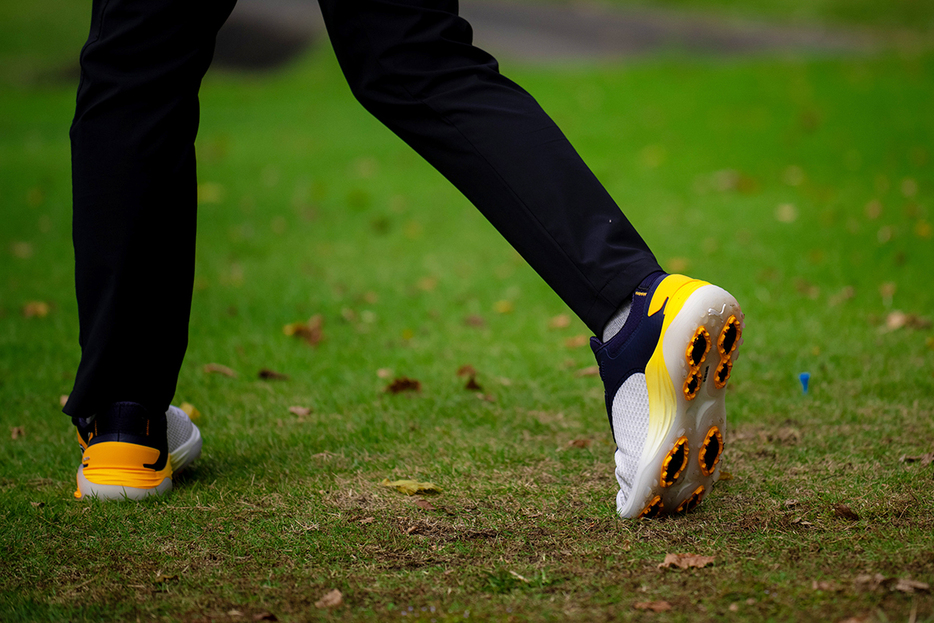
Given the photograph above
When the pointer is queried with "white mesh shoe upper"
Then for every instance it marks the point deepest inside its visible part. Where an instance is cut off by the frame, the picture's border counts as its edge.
(179, 428)
(630, 429)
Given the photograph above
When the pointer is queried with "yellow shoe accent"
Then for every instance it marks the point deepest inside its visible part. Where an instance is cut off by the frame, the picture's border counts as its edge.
(118, 463)
(675, 289)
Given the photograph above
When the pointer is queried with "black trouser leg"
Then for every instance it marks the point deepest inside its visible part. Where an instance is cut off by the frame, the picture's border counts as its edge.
(412, 65)
(135, 195)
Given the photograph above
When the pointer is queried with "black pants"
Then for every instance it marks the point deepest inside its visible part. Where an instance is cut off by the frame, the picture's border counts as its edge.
(412, 65)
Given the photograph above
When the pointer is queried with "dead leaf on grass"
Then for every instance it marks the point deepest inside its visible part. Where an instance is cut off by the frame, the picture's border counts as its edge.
(425, 505)
(36, 309)
(786, 435)
(311, 331)
(16, 432)
(466, 370)
(300, 411)
(384, 373)
(792, 503)
(867, 583)
(271, 375)
(473, 320)
(472, 385)
(580, 443)
(844, 512)
(216, 368)
(560, 321)
(190, 410)
(911, 586)
(652, 606)
(265, 616)
(366, 520)
(578, 341)
(724, 475)
(925, 459)
(588, 371)
(503, 307)
(898, 319)
(411, 487)
(403, 384)
(686, 561)
(332, 599)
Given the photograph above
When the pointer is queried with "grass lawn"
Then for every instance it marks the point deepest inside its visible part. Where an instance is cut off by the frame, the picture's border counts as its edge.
(805, 187)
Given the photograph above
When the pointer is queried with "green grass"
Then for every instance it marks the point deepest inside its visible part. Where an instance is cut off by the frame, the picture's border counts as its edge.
(309, 206)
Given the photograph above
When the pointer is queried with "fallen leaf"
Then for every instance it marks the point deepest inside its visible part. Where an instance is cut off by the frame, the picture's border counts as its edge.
(578, 341)
(474, 320)
(580, 443)
(686, 561)
(503, 307)
(210, 192)
(911, 586)
(588, 371)
(843, 295)
(653, 606)
(424, 505)
(427, 283)
(300, 411)
(898, 319)
(333, 599)
(403, 384)
(678, 264)
(384, 373)
(800, 521)
(925, 459)
(271, 375)
(472, 384)
(265, 616)
(233, 612)
(216, 368)
(16, 432)
(560, 321)
(844, 512)
(190, 410)
(36, 309)
(411, 487)
(63, 399)
(725, 475)
(311, 331)
(786, 213)
(466, 370)
(792, 503)
(866, 583)
(22, 250)
(366, 520)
